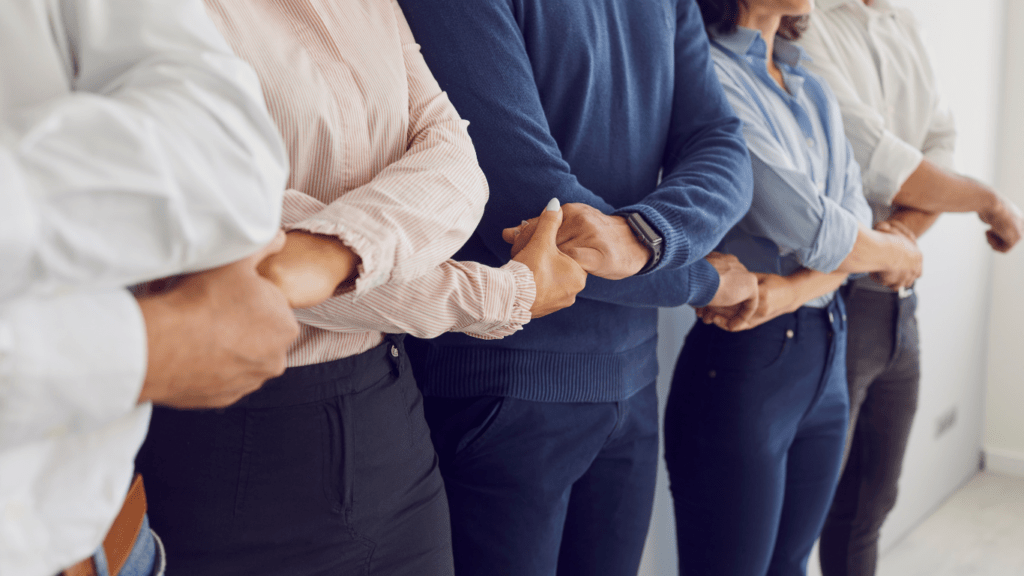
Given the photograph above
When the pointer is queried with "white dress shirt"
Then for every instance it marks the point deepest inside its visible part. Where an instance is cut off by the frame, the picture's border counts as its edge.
(133, 145)
(877, 65)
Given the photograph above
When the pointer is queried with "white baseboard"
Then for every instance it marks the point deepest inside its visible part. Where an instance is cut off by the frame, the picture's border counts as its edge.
(1003, 461)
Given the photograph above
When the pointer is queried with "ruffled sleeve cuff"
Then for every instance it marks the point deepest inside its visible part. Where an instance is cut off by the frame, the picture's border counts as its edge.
(508, 302)
(356, 230)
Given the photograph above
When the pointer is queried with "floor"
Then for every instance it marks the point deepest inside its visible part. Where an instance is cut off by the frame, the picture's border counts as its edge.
(979, 531)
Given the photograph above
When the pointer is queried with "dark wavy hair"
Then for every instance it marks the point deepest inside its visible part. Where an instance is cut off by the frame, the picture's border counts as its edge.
(721, 16)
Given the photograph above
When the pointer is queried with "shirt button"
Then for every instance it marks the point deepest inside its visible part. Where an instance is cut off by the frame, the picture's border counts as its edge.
(810, 142)
(712, 374)
(789, 334)
(394, 351)
(831, 318)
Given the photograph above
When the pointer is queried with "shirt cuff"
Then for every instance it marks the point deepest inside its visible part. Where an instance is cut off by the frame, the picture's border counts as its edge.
(69, 364)
(835, 239)
(892, 162)
(942, 157)
(374, 245)
(508, 301)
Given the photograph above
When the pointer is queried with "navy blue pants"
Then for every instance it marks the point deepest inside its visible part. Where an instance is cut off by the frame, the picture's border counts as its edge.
(754, 434)
(327, 470)
(543, 488)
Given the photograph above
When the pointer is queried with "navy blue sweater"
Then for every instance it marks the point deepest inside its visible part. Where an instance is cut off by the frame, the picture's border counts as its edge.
(586, 101)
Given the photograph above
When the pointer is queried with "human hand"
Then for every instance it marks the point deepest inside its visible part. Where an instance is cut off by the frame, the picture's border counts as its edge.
(776, 296)
(906, 263)
(737, 297)
(603, 245)
(558, 277)
(310, 268)
(216, 335)
(1006, 223)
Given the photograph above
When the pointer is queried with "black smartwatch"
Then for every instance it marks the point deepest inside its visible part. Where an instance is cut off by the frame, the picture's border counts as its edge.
(647, 236)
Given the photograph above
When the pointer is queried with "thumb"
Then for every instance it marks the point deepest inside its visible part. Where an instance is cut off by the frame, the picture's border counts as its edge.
(549, 222)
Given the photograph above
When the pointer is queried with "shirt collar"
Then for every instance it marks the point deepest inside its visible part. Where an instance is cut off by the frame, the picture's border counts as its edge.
(748, 42)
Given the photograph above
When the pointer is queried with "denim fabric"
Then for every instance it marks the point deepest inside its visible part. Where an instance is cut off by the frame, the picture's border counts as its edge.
(327, 469)
(883, 367)
(145, 559)
(544, 488)
(754, 432)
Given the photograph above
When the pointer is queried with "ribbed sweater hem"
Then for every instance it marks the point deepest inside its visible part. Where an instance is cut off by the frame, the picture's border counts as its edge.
(460, 372)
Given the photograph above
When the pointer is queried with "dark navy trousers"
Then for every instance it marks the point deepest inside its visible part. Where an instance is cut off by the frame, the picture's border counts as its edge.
(327, 470)
(545, 488)
(754, 434)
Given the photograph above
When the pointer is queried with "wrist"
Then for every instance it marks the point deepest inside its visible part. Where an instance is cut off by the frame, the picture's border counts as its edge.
(648, 243)
(989, 202)
(164, 315)
(330, 253)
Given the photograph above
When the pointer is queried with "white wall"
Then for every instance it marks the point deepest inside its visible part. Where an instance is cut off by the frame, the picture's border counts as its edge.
(1004, 430)
(965, 43)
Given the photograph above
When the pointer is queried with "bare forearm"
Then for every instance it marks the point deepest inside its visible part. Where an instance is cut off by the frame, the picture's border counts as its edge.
(879, 251)
(310, 268)
(916, 220)
(933, 189)
(806, 285)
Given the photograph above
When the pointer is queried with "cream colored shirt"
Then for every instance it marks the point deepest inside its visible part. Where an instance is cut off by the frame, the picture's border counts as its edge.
(877, 65)
(381, 160)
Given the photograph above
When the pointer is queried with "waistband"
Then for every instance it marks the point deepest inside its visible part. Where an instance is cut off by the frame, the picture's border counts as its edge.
(314, 382)
(833, 313)
(869, 285)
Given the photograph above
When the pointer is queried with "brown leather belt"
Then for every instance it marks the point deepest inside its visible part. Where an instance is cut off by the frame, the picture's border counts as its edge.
(121, 538)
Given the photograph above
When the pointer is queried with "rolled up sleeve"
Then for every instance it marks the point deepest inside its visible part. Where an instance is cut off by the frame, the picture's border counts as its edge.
(891, 162)
(817, 231)
(419, 210)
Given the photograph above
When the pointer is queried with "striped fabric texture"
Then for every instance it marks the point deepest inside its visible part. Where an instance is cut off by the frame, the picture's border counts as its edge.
(381, 160)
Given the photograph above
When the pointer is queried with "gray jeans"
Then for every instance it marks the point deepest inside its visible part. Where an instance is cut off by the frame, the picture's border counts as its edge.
(883, 371)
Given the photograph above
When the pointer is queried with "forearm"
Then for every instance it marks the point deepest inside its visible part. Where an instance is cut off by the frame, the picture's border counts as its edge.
(695, 285)
(933, 189)
(916, 220)
(455, 297)
(806, 285)
(876, 251)
(311, 268)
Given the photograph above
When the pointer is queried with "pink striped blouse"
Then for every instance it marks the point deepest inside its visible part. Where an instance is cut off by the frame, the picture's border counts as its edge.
(381, 160)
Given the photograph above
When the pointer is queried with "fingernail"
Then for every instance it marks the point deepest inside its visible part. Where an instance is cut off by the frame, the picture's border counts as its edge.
(553, 205)
(524, 223)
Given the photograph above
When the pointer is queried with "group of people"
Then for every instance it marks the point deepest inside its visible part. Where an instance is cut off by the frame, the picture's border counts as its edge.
(219, 219)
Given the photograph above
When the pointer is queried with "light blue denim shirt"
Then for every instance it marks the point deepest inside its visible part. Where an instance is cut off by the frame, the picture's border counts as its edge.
(808, 199)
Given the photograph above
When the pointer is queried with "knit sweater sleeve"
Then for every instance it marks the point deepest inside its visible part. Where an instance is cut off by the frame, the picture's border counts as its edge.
(477, 52)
